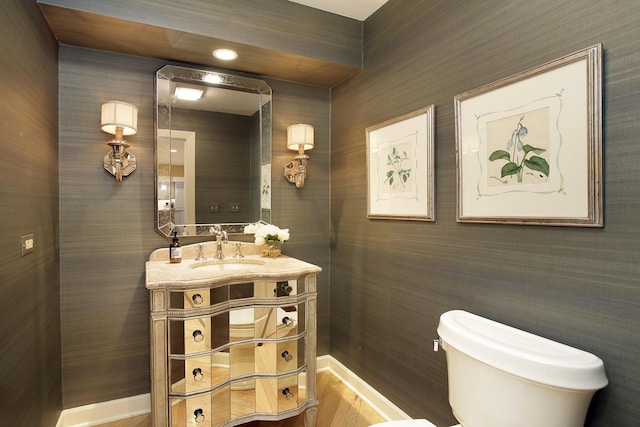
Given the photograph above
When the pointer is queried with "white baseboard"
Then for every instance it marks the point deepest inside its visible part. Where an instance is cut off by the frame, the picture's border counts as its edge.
(113, 410)
(105, 412)
(372, 397)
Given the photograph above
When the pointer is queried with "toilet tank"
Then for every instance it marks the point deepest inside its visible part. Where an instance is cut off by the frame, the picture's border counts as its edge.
(500, 376)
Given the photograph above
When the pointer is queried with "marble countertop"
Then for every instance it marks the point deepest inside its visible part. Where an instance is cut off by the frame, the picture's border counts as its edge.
(191, 273)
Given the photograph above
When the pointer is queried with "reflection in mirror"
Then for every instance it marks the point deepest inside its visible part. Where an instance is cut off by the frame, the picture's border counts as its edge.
(265, 322)
(302, 389)
(243, 398)
(176, 376)
(266, 392)
(220, 367)
(213, 153)
(221, 401)
(220, 330)
(242, 359)
(241, 324)
(265, 358)
(242, 290)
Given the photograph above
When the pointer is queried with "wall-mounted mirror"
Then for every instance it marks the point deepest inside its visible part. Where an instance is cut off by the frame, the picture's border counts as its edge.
(212, 151)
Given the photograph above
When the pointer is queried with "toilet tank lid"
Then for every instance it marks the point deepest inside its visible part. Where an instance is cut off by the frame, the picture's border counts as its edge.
(521, 353)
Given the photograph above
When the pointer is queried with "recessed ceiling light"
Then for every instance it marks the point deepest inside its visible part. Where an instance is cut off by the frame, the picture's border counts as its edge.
(188, 94)
(225, 54)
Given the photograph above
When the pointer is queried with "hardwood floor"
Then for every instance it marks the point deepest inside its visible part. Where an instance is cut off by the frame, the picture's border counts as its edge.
(339, 407)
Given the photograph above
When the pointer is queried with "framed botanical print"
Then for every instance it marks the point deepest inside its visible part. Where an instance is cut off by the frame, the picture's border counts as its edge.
(400, 167)
(529, 147)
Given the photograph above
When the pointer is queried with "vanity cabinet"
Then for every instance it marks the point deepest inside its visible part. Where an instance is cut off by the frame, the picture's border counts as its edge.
(232, 347)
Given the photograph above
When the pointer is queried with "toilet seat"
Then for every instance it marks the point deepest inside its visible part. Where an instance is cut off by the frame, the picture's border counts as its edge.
(408, 423)
(405, 423)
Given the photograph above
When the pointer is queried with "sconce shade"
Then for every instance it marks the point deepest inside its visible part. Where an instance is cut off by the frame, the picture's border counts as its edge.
(300, 134)
(118, 113)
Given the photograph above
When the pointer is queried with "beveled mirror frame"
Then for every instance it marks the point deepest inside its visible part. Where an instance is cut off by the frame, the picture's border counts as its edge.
(260, 171)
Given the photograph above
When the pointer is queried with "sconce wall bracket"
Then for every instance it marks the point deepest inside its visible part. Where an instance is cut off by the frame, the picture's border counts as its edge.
(119, 162)
(296, 171)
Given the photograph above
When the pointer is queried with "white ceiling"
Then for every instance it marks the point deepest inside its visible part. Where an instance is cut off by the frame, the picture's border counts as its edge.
(356, 9)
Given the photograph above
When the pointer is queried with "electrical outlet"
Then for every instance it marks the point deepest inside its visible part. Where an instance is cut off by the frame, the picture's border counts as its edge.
(27, 242)
(214, 208)
(234, 207)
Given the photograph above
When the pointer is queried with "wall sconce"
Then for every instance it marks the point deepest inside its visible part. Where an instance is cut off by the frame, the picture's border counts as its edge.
(119, 119)
(299, 138)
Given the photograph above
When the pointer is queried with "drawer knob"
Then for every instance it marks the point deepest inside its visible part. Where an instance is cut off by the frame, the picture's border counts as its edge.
(287, 321)
(288, 357)
(197, 335)
(288, 394)
(197, 374)
(283, 289)
(197, 299)
(198, 415)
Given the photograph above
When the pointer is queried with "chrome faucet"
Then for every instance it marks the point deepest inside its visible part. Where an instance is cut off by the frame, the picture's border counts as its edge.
(221, 237)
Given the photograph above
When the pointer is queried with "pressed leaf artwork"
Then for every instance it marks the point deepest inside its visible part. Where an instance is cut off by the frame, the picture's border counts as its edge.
(397, 168)
(522, 158)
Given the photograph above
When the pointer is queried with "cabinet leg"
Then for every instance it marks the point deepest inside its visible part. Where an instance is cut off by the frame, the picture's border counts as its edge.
(310, 417)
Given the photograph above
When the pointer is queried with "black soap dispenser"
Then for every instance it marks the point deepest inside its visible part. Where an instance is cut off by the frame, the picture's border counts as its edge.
(175, 251)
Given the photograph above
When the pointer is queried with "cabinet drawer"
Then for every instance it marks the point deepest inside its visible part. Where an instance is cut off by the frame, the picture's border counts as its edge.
(268, 395)
(279, 357)
(279, 394)
(192, 411)
(195, 374)
(207, 333)
(200, 334)
(240, 399)
(290, 355)
(264, 358)
(207, 410)
(201, 298)
(279, 322)
(190, 375)
(198, 298)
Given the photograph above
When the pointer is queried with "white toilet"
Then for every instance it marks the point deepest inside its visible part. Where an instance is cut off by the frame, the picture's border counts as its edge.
(500, 376)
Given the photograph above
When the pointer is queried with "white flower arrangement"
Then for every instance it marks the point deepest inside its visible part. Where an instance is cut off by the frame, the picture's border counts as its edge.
(267, 233)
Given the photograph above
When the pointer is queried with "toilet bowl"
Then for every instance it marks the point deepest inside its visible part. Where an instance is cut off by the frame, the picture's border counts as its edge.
(500, 376)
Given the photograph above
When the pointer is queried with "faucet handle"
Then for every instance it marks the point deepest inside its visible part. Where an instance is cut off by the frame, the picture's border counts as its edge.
(238, 253)
(200, 252)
